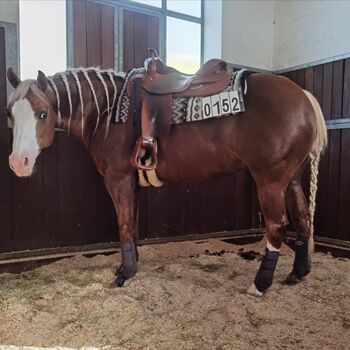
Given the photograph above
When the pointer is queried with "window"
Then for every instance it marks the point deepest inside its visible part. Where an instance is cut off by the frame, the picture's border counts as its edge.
(156, 3)
(182, 36)
(183, 45)
(188, 7)
(43, 40)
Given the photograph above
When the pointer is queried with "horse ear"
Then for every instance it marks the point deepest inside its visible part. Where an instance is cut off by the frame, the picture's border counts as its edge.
(13, 78)
(41, 80)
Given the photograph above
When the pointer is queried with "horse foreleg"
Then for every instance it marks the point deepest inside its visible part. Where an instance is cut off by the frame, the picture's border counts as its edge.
(272, 203)
(122, 191)
(299, 215)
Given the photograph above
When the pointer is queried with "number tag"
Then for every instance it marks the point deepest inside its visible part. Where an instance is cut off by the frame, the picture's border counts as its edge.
(207, 108)
(221, 104)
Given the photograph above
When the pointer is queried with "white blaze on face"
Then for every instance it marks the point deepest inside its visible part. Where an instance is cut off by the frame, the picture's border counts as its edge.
(25, 147)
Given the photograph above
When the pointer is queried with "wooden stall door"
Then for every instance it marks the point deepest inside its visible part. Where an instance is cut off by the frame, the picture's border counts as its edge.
(64, 203)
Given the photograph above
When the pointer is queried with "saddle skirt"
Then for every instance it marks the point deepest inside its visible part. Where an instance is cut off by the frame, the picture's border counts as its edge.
(192, 108)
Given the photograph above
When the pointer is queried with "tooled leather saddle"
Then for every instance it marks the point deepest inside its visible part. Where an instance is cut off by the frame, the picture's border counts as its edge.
(157, 85)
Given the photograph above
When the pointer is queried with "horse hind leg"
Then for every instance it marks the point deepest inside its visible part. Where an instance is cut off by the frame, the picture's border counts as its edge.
(299, 215)
(272, 203)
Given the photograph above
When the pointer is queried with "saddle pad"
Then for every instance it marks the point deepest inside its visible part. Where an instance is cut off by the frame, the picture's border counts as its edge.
(190, 109)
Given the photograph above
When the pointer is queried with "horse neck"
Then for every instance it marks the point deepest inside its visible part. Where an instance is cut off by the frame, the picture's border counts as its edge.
(86, 99)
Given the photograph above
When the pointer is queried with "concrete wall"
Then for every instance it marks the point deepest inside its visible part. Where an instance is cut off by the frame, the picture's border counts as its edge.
(9, 11)
(247, 33)
(309, 31)
(281, 34)
(9, 19)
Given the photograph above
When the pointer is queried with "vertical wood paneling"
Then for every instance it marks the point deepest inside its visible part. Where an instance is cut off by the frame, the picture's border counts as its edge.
(332, 188)
(153, 32)
(346, 89)
(27, 210)
(327, 90)
(79, 33)
(344, 193)
(107, 37)
(128, 40)
(5, 142)
(141, 39)
(337, 89)
(300, 78)
(318, 86)
(309, 79)
(93, 35)
(50, 193)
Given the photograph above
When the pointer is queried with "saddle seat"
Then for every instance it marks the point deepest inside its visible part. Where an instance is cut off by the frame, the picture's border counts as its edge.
(155, 89)
(160, 79)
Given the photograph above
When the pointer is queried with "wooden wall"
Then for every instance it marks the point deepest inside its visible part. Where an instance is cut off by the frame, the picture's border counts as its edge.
(64, 203)
(330, 83)
(140, 32)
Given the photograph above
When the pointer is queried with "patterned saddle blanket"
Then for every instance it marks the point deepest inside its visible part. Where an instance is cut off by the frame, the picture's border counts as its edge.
(190, 109)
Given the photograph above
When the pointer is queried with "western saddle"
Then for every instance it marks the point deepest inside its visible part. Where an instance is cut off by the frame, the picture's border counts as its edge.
(159, 84)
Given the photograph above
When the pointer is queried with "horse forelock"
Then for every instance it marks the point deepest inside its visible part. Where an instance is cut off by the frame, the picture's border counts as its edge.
(22, 90)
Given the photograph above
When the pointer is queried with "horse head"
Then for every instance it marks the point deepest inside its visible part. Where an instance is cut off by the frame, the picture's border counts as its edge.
(33, 117)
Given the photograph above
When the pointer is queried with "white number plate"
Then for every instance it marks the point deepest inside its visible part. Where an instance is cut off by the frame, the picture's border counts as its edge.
(220, 104)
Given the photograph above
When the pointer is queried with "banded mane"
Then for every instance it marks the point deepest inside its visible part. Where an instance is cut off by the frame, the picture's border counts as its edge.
(79, 87)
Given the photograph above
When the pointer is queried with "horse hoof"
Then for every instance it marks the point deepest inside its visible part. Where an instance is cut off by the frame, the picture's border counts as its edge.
(252, 290)
(292, 279)
(122, 281)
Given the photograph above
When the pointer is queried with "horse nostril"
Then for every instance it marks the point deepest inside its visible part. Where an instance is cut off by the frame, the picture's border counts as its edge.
(26, 161)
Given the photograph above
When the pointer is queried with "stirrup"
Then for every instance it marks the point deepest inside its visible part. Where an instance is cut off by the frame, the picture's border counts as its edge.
(141, 144)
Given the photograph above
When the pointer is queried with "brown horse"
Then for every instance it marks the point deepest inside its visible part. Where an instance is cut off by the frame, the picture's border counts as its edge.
(281, 131)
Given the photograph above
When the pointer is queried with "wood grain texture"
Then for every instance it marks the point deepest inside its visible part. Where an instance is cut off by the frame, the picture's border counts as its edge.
(128, 40)
(79, 33)
(6, 224)
(107, 37)
(346, 89)
(93, 35)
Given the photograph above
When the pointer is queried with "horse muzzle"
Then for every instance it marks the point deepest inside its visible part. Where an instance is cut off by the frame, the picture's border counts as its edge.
(22, 165)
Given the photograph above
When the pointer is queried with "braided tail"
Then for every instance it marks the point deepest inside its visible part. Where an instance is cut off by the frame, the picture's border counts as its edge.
(318, 147)
(314, 162)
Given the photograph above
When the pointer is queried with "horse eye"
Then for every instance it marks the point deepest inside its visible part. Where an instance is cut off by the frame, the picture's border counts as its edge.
(43, 115)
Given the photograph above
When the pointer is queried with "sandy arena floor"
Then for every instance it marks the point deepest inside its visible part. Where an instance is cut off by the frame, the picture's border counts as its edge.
(182, 298)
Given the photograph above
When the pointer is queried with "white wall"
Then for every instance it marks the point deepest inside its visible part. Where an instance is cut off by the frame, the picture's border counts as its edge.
(247, 33)
(282, 34)
(309, 31)
(9, 11)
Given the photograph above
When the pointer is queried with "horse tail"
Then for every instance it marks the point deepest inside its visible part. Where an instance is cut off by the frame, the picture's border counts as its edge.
(318, 147)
